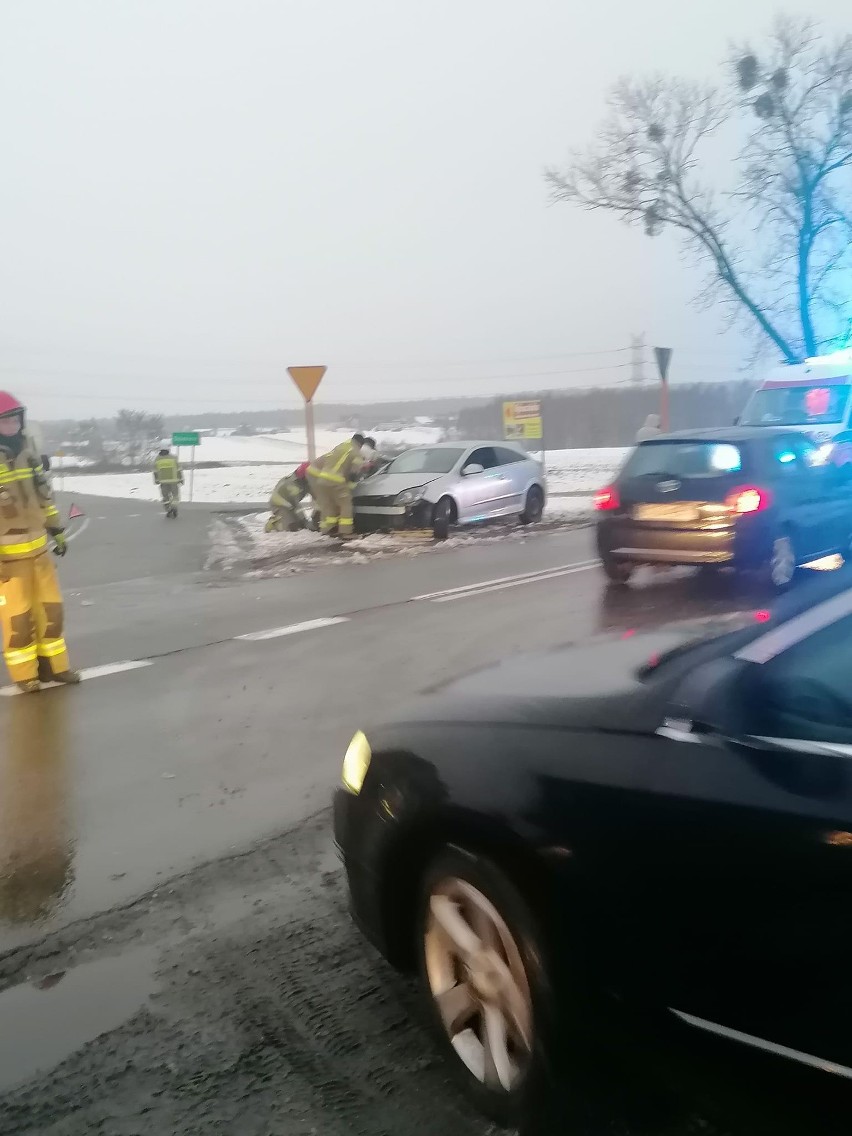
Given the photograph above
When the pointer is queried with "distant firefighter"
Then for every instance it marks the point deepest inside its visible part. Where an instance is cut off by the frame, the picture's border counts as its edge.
(169, 476)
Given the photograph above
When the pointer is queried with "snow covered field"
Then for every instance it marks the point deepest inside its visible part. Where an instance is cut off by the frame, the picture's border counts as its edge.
(582, 471)
(292, 446)
(572, 472)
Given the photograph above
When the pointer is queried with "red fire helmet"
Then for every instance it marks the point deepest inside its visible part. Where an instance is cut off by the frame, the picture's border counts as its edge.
(9, 405)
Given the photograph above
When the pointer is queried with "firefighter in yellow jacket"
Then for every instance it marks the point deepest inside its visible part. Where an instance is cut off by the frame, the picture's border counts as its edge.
(331, 479)
(286, 498)
(169, 476)
(31, 609)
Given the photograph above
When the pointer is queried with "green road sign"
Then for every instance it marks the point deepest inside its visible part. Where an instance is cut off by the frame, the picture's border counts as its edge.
(188, 439)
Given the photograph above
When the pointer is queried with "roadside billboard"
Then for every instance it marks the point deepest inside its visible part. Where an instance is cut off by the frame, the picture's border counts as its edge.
(522, 421)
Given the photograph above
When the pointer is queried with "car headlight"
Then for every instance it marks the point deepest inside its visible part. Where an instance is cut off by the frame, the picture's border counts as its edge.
(356, 763)
(821, 456)
(410, 496)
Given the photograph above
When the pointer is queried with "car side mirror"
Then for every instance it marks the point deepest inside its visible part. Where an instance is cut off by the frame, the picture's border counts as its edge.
(470, 470)
(713, 698)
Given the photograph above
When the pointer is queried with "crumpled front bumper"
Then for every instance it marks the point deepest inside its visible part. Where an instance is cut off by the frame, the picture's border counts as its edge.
(370, 517)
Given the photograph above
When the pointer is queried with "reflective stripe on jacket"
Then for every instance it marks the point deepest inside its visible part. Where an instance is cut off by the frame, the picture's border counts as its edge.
(167, 471)
(27, 509)
(338, 466)
(289, 491)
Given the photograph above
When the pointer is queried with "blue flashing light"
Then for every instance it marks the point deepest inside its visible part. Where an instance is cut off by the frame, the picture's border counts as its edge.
(786, 456)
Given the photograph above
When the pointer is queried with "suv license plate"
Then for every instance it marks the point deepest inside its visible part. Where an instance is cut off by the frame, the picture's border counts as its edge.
(680, 513)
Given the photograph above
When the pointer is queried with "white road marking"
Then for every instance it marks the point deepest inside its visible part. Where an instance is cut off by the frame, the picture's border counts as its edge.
(76, 532)
(520, 578)
(292, 629)
(487, 586)
(92, 672)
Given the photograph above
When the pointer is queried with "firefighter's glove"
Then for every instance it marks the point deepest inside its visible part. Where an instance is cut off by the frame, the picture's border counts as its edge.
(60, 544)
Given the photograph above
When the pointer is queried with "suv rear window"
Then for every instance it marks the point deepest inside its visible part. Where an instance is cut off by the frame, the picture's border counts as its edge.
(684, 459)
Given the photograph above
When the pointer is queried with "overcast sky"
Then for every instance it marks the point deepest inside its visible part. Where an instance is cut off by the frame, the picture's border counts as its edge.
(197, 193)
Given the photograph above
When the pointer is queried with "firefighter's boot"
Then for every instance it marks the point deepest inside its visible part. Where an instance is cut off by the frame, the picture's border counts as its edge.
(31, 686)
(68, 678)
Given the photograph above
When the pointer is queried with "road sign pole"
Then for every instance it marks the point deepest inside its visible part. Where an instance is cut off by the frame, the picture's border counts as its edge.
(664, 357)
(307, 379)
(309, 429)
(192, 474)
(664, 406)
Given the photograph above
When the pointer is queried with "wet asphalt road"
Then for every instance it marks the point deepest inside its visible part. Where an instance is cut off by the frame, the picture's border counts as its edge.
(174, 951)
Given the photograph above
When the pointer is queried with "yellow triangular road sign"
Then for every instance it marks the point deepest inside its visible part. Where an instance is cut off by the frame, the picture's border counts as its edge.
(307, 379)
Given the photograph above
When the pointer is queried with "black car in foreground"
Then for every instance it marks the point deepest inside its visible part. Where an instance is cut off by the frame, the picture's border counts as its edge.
(650, 826)
(755, 498)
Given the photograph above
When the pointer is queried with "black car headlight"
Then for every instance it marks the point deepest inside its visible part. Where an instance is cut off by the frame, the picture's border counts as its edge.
(410, 496)
(356, 763)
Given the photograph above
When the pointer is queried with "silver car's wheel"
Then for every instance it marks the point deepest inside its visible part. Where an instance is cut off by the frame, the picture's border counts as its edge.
(479, 985)
(782, 562)
(443, 516)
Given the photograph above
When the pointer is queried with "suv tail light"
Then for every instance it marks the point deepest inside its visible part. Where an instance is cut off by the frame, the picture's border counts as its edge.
(605, 500)
(748, 499)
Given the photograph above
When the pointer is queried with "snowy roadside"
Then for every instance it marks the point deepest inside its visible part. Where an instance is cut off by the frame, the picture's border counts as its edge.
(232, 485)
(239, 544)
(568, 472)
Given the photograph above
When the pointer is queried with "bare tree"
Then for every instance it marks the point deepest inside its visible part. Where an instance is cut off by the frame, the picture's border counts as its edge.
(138, 434)
(777, 244)
(89, 434)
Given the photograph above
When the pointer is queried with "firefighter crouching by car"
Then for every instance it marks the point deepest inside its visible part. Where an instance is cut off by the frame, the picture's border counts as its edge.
(169, 476)
(31, 608)
(286, 498)
(331, 479)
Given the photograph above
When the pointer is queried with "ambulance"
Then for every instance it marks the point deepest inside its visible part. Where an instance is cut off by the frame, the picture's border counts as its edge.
(812, 396)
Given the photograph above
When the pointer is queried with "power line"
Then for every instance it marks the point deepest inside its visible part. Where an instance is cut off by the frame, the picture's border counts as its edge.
(637, 359)
(357, 364)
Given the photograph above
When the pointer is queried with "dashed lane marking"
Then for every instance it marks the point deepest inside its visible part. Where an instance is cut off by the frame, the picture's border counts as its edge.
(93, 672)
(486, 586)
(464, 592)
(292, 629)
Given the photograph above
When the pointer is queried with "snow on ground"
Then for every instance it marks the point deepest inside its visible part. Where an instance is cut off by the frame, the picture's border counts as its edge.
(249, 484)
(291, 446)
(69, 461)
(575, 472)
(583, 471)
(568, 509)
(261, 448)
(239, 543)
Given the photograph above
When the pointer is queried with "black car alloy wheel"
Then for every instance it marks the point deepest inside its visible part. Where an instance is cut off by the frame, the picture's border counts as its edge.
(481, 976)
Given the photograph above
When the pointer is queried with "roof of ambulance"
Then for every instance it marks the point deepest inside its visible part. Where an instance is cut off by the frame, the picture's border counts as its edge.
(812, 370)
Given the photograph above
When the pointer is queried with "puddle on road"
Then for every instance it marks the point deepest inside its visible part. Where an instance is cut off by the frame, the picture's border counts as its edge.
(45, 1021)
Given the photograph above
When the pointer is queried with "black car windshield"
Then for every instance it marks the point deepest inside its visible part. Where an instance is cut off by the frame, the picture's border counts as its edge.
(439, 459)
(797, 406)
(684, 459)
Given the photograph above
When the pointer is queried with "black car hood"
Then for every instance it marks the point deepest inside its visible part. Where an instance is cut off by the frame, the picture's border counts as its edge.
(594, 685)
